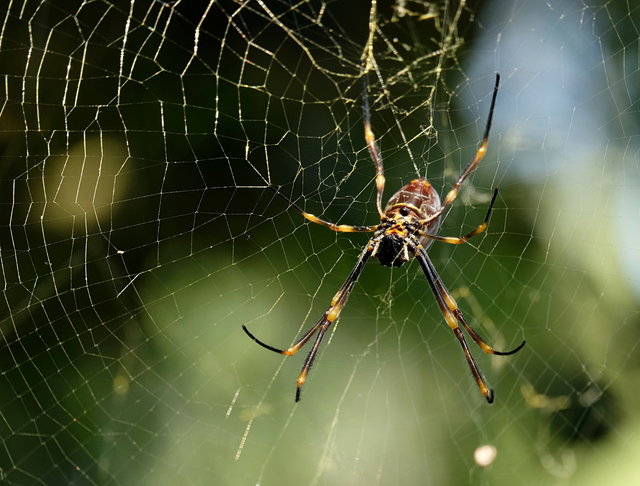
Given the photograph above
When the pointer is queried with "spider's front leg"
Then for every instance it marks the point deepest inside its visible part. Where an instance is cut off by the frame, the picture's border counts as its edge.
(374, 150)
(480, 153)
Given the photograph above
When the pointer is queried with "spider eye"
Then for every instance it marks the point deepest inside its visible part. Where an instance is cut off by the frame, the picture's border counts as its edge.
(404, 211)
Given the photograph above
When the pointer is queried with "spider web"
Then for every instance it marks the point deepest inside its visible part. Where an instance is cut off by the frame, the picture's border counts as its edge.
(138, 140)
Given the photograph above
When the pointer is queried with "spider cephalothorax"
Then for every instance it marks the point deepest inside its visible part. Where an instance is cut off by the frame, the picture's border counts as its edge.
(408, 225)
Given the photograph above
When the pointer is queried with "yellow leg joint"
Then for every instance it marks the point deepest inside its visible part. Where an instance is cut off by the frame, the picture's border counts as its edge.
(332, 315)
(302, 378)
(451, 304)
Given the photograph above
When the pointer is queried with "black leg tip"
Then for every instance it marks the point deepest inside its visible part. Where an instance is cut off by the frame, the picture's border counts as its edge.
(513, 351)
(264, 345)
(489, 397)
(519, 347)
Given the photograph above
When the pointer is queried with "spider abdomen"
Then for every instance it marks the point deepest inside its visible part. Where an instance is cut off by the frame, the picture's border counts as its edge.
(411, 207)
(418, 197)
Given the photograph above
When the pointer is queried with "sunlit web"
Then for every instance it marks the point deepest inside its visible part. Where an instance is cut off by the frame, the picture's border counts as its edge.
(138, 141)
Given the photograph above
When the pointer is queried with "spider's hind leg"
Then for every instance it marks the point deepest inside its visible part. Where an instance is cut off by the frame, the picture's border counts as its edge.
(453, 316)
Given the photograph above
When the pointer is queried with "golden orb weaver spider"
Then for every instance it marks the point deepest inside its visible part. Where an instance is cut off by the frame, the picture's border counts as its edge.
(408, 223)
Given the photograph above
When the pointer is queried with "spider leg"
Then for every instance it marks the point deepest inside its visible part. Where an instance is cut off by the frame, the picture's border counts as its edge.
(429, 272)
(341, 228)
(454, 240)
(480, 153)
(323, 324)
(374, 150)
(453, 316)
(376, 156)
(452, 306)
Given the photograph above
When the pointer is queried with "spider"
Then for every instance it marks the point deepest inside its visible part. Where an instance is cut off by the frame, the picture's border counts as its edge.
(408, 225)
